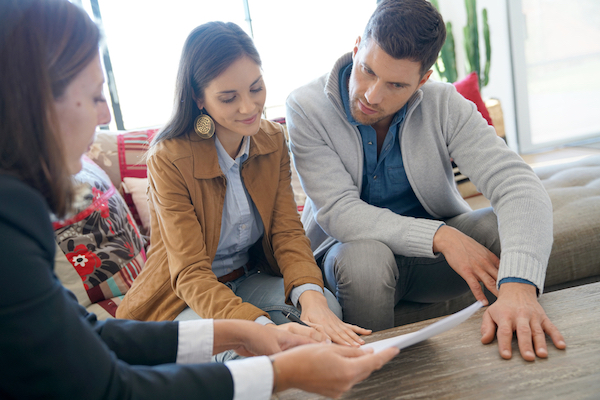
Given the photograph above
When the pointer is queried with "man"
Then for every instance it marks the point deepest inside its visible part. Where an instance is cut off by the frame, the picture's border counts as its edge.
(373, 142)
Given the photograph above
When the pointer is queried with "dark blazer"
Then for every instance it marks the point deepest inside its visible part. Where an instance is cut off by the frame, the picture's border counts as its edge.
(51, 347)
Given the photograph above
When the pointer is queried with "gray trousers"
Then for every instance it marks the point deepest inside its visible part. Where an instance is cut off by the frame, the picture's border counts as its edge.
(368, 279)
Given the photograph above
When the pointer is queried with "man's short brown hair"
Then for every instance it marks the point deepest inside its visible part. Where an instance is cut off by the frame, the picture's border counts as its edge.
(407, 29)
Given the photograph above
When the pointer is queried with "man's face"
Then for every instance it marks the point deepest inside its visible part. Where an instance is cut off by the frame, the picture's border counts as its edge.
(380, 85)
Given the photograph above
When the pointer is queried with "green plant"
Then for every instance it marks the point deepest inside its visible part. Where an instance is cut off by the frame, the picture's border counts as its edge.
(446, 63)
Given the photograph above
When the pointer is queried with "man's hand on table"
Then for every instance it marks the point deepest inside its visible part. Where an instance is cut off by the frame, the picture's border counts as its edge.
(517, 310)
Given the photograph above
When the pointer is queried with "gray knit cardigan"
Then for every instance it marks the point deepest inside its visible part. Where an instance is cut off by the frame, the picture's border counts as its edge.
(440, 125)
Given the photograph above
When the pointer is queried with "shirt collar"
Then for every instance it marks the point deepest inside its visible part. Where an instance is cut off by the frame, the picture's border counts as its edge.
(225, 160)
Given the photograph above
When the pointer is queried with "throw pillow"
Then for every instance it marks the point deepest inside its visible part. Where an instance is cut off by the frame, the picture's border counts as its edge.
(468, 87)
(136, 188)
(99, 248)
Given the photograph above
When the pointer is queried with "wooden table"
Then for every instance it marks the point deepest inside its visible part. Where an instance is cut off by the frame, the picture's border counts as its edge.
(455, 365)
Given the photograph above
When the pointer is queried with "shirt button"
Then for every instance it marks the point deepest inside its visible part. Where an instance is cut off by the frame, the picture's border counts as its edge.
(369, 142)
(243, 226)
(375, 177)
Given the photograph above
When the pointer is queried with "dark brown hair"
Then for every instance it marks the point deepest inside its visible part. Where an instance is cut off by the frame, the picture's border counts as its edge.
(208, 51)
(44, 46)
(407, 29)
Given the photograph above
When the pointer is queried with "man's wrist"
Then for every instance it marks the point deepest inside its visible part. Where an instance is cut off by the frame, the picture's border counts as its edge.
(513, 280)
(517, 288)
(518, 280)
(440, 237)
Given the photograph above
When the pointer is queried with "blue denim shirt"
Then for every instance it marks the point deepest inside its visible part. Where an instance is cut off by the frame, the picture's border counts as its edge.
(241, 225)
(385, 183)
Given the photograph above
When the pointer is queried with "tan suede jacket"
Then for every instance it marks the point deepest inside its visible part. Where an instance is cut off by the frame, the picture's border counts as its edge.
(186, 192)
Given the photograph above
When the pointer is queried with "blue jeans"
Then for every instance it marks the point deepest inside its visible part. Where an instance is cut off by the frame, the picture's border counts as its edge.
(368, 279)
(265, 292)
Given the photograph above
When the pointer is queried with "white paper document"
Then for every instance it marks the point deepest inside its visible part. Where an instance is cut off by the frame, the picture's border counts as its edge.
(403, 341)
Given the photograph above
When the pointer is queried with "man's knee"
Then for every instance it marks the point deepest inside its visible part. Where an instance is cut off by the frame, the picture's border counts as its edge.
(367, 263)
(481, 225)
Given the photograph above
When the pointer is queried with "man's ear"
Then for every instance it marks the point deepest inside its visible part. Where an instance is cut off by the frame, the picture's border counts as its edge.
(355, 49)
(424, 79)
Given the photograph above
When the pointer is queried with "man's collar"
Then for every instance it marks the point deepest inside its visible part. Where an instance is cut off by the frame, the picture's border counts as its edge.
(332, 87)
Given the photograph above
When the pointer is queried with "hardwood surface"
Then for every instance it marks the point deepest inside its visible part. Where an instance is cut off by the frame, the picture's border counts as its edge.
(455, 365)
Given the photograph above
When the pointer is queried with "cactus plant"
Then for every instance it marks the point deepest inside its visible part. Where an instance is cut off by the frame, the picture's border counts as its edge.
(488, 49)
(446, 63)
(471, 34)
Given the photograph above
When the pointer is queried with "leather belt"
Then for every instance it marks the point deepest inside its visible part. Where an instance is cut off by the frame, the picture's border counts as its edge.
(236, 273)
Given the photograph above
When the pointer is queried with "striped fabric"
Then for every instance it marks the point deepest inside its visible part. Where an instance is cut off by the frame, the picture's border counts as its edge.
(131, 147)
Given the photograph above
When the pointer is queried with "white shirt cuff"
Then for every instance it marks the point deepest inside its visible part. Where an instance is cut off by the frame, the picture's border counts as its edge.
(252, 378)
(195, 341)
(263, 320)
(297, 291)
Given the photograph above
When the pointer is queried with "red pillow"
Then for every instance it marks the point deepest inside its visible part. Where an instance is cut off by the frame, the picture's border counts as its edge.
(469, 88)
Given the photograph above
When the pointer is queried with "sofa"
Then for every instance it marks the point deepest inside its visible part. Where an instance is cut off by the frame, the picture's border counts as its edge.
(574, 190)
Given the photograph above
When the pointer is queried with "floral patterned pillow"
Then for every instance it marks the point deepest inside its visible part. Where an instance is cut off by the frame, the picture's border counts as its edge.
(99, 248)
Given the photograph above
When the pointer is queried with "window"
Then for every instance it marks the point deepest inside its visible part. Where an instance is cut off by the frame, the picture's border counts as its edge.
(557, 55)
(297, 41)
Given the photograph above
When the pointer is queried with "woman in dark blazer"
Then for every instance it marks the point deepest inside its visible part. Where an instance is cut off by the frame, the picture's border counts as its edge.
(50, 103)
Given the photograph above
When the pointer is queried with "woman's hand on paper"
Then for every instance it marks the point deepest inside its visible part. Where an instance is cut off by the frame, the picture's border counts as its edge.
(316, 313)
(315, 333)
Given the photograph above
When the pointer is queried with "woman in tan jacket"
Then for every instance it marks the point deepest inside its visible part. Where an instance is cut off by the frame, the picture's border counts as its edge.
(224, 225)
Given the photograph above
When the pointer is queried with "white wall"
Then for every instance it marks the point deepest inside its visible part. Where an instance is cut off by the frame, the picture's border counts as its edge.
(501, 77)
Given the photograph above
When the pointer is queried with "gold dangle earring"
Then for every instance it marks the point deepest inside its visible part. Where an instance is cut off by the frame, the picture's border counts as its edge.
(204, 125)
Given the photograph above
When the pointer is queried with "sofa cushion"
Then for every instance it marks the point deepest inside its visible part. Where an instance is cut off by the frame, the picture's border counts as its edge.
(99, 248)
(574, 189)
(137, 188)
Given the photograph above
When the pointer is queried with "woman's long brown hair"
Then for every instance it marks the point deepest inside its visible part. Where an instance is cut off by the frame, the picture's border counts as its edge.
(44, 44)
